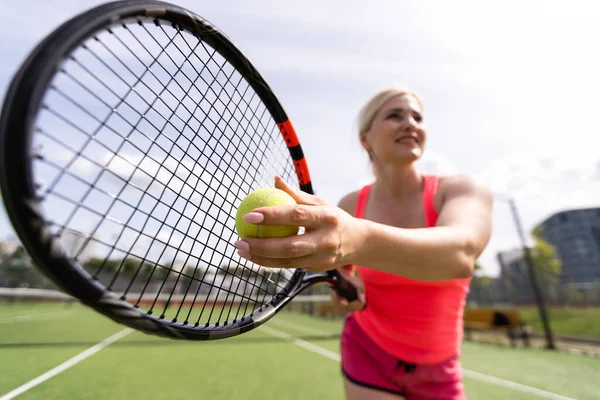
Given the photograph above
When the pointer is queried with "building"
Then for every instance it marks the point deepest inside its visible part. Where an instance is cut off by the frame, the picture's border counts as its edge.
(575, 235)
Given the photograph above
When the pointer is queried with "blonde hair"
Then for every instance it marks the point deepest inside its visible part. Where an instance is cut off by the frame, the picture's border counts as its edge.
(367, 113)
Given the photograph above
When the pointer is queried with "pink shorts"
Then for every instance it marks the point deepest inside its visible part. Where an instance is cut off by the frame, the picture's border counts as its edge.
(366, 364)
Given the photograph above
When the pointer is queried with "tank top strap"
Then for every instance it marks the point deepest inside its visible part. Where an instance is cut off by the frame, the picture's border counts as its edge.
(430, 188)
(361, 203)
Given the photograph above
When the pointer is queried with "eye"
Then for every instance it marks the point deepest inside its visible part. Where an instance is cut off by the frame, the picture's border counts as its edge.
(418, 118)
(395, 116)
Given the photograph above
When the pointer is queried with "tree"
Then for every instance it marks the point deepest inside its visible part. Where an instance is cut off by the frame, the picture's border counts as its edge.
(162, 271)
(95, 265)
(195, 272)
(17, 269)
(547, 264)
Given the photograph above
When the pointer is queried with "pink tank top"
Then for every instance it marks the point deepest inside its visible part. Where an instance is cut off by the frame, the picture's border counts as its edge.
(419, 322)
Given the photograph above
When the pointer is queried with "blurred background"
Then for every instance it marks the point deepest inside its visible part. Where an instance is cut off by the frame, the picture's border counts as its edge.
(511, 97)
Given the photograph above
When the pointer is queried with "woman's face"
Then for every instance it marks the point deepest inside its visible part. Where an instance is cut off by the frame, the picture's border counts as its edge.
(397, 134)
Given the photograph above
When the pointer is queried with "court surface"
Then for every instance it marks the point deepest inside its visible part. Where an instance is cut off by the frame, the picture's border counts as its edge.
(57, 351)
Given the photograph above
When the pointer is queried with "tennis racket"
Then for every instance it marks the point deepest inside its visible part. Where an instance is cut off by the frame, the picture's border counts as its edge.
(129, 136)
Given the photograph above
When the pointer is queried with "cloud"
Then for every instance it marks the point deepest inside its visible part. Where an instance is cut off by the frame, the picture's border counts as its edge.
(546, 181)
(597, 174)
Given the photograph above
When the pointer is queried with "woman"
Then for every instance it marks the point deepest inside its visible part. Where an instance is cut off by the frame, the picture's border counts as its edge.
(413, 240)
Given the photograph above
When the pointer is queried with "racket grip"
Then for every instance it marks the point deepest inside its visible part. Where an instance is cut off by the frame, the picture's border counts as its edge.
(343, 287)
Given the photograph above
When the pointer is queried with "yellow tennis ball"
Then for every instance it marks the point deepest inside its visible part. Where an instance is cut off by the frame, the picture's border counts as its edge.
(262, 198)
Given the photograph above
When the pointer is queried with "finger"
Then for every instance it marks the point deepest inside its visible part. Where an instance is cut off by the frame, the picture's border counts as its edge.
(294, 215)
(298, 195)
(289, 247)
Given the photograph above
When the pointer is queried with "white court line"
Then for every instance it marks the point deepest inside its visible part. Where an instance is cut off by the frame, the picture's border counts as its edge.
(299, 342)
(468, 373)
(67, 364)
(511, 385)
(20, 318)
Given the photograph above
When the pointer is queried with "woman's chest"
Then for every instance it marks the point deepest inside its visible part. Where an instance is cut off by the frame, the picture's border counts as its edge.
(408, 213)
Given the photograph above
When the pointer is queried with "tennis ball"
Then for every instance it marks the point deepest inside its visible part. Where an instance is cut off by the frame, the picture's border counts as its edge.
(262, 198)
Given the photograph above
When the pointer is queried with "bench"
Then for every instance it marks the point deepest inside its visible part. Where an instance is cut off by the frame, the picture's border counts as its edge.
(497, 319)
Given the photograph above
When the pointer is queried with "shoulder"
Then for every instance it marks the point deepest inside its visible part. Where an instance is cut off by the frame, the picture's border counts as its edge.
(454, 186)
(349, 201)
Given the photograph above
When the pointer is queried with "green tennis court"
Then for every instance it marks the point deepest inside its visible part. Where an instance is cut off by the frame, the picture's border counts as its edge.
(293, 357)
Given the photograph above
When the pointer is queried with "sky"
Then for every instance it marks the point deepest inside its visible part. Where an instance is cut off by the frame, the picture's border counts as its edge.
(510, 88)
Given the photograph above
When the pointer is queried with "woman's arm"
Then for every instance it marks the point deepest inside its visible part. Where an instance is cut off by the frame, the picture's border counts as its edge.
(334, 238)
(448, 250)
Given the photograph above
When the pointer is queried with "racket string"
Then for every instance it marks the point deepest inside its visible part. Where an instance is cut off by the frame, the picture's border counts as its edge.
(207, 116)
(75, 175)
(253, 146)
(124, 158)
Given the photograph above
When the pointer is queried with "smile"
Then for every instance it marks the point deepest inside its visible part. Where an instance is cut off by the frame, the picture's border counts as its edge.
(407, 139)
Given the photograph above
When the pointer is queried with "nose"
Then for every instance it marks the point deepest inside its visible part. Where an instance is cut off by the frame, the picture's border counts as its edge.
(411, 123)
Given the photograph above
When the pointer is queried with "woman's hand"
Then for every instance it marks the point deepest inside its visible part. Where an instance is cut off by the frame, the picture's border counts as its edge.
(331, 236)
(341, 303)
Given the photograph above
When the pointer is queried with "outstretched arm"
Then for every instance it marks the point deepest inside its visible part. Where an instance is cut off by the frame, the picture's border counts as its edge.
(334, 238)
(448, 250)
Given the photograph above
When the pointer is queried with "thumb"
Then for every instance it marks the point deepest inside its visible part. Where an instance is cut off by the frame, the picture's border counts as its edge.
(297, 194)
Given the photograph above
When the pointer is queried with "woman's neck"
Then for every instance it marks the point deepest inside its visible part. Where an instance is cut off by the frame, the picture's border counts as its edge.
(398, 181)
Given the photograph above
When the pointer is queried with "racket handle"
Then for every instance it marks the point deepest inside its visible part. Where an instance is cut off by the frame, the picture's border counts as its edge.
(343, 287)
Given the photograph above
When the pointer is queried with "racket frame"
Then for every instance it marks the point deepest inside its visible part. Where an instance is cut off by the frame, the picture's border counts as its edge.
(21, 105)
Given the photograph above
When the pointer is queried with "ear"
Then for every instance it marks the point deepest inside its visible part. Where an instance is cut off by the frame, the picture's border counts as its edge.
(366, 145)
(364, 141)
